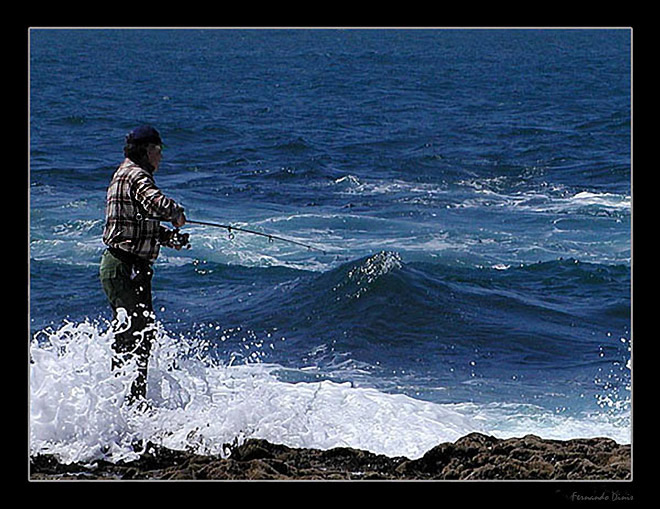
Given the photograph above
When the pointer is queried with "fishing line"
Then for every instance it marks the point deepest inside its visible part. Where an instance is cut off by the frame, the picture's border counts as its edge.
(182, 239)
(269, 236)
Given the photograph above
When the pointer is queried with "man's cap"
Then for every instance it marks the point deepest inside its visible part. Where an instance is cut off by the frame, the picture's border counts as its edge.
(144, 134)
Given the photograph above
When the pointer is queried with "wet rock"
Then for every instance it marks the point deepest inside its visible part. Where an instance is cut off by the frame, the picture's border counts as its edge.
(473, 457)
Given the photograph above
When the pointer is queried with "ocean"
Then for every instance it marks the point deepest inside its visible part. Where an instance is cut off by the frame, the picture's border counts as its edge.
(470, 190)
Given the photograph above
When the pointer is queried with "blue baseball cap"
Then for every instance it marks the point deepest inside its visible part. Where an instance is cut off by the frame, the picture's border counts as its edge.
(144, 134)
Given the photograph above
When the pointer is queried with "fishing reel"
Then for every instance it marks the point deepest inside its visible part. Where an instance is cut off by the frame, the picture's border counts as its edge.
(177, 240)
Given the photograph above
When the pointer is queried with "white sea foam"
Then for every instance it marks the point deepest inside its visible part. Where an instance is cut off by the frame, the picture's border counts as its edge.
(603, 199)
(80, 252)
(77, 411)
(584, 200)
(353, 186)
(77, 228)
(507, 420)
(76, 407)
(545, 199)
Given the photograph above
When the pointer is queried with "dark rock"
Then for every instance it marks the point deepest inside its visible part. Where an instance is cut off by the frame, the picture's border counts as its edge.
(474, 457)
(252, 450)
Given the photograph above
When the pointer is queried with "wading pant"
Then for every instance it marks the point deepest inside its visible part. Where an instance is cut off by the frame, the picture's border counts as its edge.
(127, 283)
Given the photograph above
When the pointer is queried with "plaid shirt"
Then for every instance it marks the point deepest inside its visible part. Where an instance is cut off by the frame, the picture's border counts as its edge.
(133, 211)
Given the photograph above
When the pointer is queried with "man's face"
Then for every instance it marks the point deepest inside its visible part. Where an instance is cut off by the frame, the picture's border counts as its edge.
(155, 154)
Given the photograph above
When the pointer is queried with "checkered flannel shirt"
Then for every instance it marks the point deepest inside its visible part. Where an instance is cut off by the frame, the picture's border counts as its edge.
(134, 208)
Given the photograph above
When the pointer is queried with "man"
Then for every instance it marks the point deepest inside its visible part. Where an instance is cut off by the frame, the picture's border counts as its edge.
(133, 235)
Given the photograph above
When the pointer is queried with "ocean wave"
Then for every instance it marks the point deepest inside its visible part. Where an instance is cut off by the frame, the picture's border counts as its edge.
(496, 192)
(586, 201)
(543, 315)
(353, 185)
(77, 411)
(502, 192)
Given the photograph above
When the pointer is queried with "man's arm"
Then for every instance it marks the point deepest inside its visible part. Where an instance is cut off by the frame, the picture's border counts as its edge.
(156, 204)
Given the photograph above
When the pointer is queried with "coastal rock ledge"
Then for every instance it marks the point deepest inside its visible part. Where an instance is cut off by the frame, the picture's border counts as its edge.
(473, 457)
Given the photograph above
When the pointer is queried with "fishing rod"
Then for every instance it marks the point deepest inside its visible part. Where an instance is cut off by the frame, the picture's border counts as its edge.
(269, 236)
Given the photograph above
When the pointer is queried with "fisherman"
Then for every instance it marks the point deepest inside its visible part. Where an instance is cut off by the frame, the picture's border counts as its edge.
(133, 236)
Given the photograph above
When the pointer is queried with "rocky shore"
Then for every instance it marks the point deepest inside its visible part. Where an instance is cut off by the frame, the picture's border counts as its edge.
(473, 457)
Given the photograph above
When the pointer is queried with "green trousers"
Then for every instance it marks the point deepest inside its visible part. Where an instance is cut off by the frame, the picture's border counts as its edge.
(126, 282)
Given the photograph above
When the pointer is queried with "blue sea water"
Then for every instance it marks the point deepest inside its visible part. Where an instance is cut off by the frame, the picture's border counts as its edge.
(471, 188)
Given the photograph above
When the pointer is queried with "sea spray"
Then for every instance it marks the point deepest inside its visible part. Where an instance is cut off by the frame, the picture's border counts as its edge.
(363, 275)
(75, 400)
(77, 409)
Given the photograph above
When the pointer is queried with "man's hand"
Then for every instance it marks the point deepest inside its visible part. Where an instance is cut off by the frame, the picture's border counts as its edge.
(175, 239)
(179, 221)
